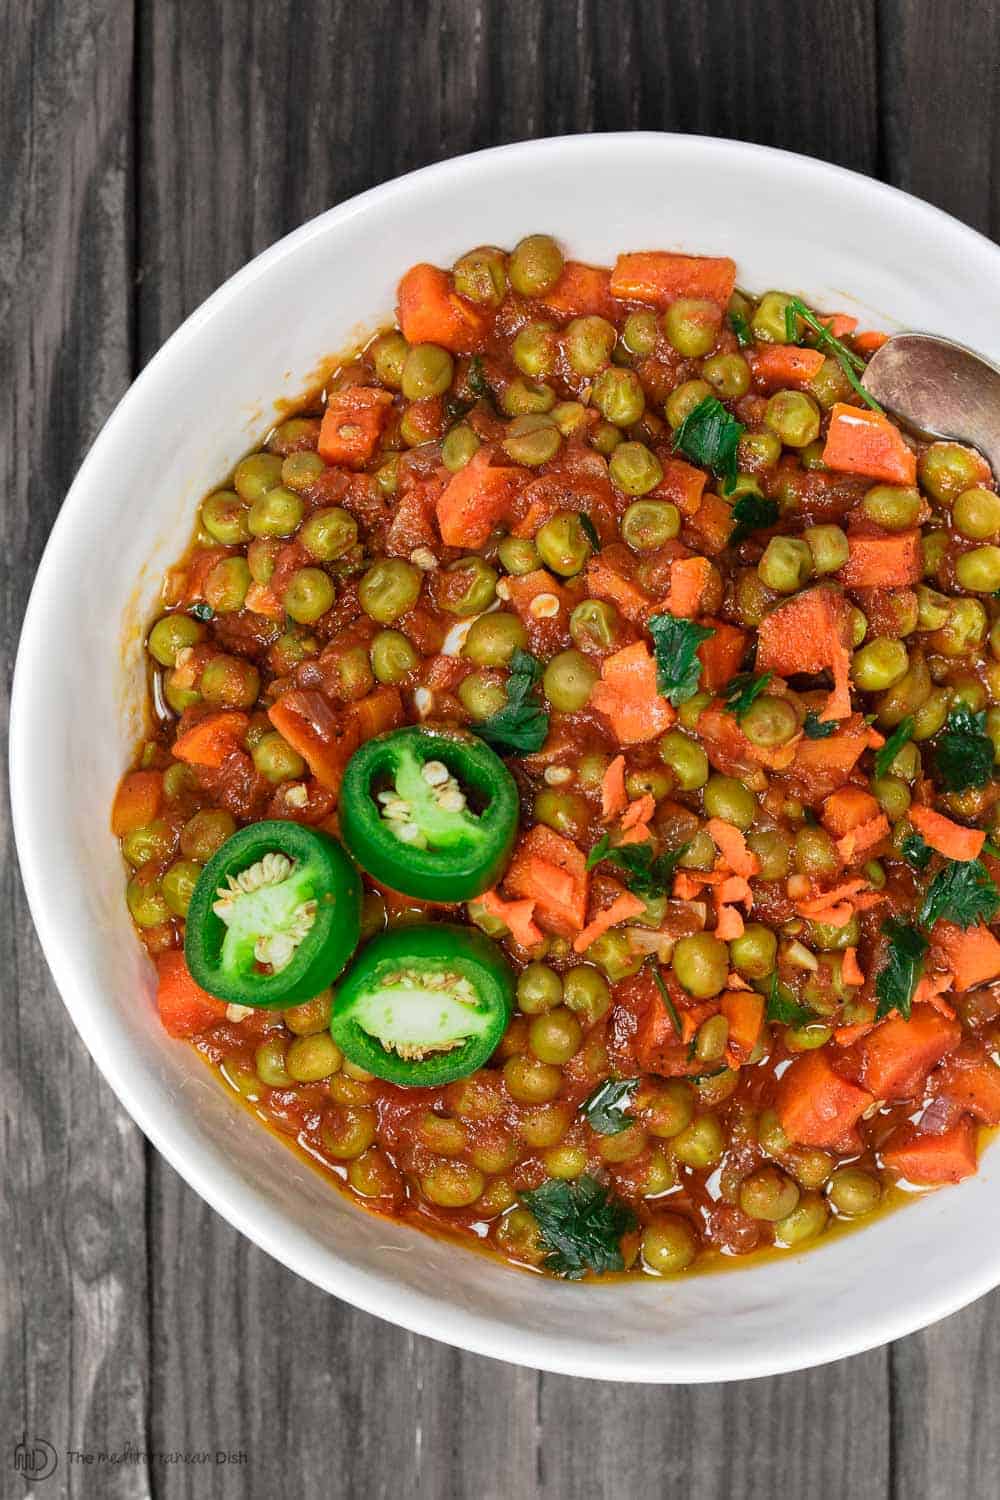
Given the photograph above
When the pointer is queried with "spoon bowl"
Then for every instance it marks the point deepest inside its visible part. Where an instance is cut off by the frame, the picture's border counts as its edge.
(939, 389)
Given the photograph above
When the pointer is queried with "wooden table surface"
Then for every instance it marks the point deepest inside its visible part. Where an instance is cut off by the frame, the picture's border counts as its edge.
(148, 149)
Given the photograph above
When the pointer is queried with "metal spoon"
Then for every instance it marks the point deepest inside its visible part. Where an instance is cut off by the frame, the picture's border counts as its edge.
(939, 389)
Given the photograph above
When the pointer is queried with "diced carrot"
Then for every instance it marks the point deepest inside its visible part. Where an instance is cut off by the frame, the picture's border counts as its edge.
(659, 277)
(744, 1010)
(930, 990)
(638, 812)
(848, 809)
(352, 425)
(839, 324)
(627, 695)
(476, 500)
(609, 576)
(882, 561)
(778, 365)
(721, 655)
(201, 564)
(729, 923)
(184, 1007)
(926, 1159)
(325, 742)
(689, 577)
(816, 1106)
(614, 798)
(581, 291)
(430, 312)
(523, 591)
(208, 742)
(820, 766)
(973, 956)
(948, 838)
(551, 871)
(814, 906)
(863, 838)
(261, 600)
(811, 633)
(713, 521)
(636, 835)
(728, 748)
(622, 907)
(869, 340)
(971, 1079)
(846, 1036)
(733, 847)
(515, 915)
(683, 484)
(859, 441)
(137, 801)
(687, 886)
(850, 969)
(898, 1055)
(379, 711)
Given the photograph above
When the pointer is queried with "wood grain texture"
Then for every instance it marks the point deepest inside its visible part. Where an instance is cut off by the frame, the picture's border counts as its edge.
(244, 118)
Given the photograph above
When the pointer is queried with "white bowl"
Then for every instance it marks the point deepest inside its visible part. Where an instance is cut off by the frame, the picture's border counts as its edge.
(208, 396)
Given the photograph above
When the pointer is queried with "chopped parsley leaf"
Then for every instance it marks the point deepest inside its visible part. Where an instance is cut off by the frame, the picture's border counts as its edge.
(665, 996)
(963, 752)
(916, 851)
(645, 876)
(751, 513)
(476, 378)
(741, 328)
(521, 725)
(676, 643)
(816, 728)
(899, 976)
(202, 611)
(604, 1109)
(589, 530)
(783, 1007)
(963, 893)
(581, 1224)
(710, 436)
(899, 737)
(742, 690)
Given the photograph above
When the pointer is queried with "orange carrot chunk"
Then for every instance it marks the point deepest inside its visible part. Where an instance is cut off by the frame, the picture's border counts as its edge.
(515, 915)
(973, 956)
(816, 1106)
(581, 291)
(137, 802)
(971, 1080)
(683, 484)
(352, 425)
(614, 798)
(310, 726)
(659, 277)
(476, 500)
(859, 441)
(689, 578)
(898, 1055)
(430, 311)
(609, 577)
(622, 907)
(882, 561)
(869, 340)
(721, 655)
(184, 1007)
(208, 742)
(627, 695)
(948, 838)
(927, 1160)
(847, 809)
(551, 871)
(785, 364)
(744, 1010)
(811, 633)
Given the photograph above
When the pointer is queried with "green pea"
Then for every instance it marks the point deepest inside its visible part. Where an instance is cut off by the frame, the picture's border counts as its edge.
(532, 439)
(794, 417)
(389, 589)
(535, 265)
(224, 517)
(815, 852)
(669, 1244)
(879, 665)
(522, 397)
(830, 385)
(594, 624)
(811, 456)
(178, 779)
(893, 507)
(976, 514)
(768, 1194)
(701, 1143)
(534, 350)
(647, 524)
(292, 648)
(933, 548)
(256, 475)
(965, 628)
(262, 556)
(230, 682)
(312, 1058)
(619, 396)
(227, 584)
(979, 570)
(145, 902)
(613, 953)
(806, 1220)
(768, 324)
(930, 716)
(605, 437)
(692, 326)
(948, 469)
(563, 544)
(893, 796)
(585, 992)
(479, 586)
(755, 952)
(539, 989)
(993, 730)
(301, 469)
(518, 555)
(171, 634)
(481, 695)
(179, 698)
(481, 276)
(392, 656)
(493, 639)
(854, 1192)
(278, 512)
(427, 371)
(276, 760)
(828, 546)
(154, 840)
(686, 758)
(588, 343)
(635, 469)
(568, 681)
(178, 883)
(640, 333)
(310, 593)
(682, 401)
(969, 691)
(566, 812)
(786, 564)
(570, 417)
(205, 833)
(770, 721)
(329, 533)
(389, 353)
(728, 375)
(759, 450)
(701, 964)
(772, 847)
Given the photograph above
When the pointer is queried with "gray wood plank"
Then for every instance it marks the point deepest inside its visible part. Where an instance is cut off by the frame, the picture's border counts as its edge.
(73, 1304)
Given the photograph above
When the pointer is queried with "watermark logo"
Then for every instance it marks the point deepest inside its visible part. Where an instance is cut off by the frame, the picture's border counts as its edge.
(35, 1458)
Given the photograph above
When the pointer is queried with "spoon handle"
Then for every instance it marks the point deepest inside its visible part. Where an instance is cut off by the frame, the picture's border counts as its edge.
(939, 389)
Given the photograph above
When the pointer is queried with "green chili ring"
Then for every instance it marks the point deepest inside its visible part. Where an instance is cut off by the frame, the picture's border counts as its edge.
(291, 916)
(422, 1006)
(463, 852)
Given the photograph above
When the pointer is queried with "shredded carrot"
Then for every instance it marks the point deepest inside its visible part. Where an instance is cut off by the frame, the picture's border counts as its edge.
(639, 811)
(863, 838)
(516, 915)
(687, 885)
(627, 695)
(732, 845)
(261, 600)
(850, 969)
(847, 809)
(859, 441)
(640, 834)
(614, 798)
(551, 871)
(622, 907)
(948, 838)
(729, 923)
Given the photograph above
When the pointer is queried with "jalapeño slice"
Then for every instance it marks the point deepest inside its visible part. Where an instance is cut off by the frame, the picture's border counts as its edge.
(430, 813)
(274, 917)
(424, 1005)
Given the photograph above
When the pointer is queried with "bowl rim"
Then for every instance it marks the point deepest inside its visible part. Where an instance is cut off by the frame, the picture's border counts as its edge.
(411, 1309)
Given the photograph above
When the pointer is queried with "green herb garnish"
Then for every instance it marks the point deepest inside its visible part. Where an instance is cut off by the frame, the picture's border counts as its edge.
(712, 1073)
(589, 530)
(816, 728)
(668, 1003)
(742, 690)
(741, 328)
(521, 725)
(476, 378)
(963, 752)
(852, 364)
(676, 642)
(644, 875)
(581, 1223)
(202, 611)
(604, 1109)
(710, 436)
(900, 736)
(899, 976)
(963, 893)
(915, 851)
(751, 513)
(783, 1007)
